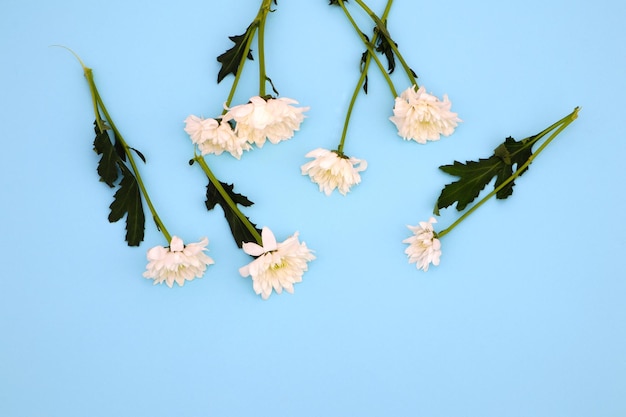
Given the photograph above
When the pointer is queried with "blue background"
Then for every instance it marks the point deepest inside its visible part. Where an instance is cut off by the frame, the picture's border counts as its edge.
(525, 316)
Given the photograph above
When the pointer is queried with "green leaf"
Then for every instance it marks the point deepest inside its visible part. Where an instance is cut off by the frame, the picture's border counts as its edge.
(231, 59)
(383, 46)
(107, 166)
(237, 227)
(119, 148)
(127, 201)
(139, 154)
(268, 79)
(475, 175)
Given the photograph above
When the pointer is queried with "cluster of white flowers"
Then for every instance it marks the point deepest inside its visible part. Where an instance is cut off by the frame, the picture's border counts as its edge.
(422, 117)
(277, 265)
(424, 248)
(215, 136)
(273, 119)
(177, 263)
(330, 170)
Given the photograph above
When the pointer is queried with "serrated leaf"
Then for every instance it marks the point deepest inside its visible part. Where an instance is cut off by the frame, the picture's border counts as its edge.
(127, 201)
(231, 59)
(475, 175)
(237, 228)
(107, 166)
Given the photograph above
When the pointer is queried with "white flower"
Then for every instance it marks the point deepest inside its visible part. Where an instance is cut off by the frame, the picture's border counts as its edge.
(422, 117)
(424, 248)
(278, 265)
(274, 119)
(331, 171)
(214, 137)
(178, 263)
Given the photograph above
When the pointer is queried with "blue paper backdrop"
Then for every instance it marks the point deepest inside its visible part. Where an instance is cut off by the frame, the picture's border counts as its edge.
(525, 316)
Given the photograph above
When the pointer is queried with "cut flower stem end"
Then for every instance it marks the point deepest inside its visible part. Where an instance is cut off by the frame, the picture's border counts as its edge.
(559, 126)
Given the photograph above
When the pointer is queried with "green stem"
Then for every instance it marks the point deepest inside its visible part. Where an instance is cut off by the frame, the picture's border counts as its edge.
(357, 89)
(351, 106)
(257, 23)
(380, 23)
(252, 28)
(231, 204)
(370, 49)
(131, 159)
(265, 7)
(562, 124)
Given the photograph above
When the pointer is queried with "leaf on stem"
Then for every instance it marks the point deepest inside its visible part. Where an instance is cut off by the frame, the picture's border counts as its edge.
(107, 166)
(383, 46)
(363, 62)
(127, 201)
(237, 227)
(231, 59)
(475, 175)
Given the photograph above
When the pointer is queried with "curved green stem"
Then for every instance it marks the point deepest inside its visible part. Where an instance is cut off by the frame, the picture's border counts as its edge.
(562, 124)
(218, 186)
(370, 49)
(380, 23)
(351, 106)
(357, 89)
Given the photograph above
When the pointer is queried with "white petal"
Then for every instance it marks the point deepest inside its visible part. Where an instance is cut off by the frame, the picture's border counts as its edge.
(269, 240)
(253, 249)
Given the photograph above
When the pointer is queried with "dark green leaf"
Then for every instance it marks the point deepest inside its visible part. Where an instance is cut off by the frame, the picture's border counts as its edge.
(237, 227)
(383, 46)
(107, 166)
(272, 84)
(139, 154)
(474, 176)
(119, 148)
(364, 56)
(231, 59)
(127, 201)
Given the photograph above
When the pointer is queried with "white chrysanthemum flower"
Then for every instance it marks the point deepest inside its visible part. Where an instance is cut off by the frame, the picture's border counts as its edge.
(422, 117)
(178, 263)
(274, 119)
(213, 137)
(424, 248)
(277, 265)
(330, 171)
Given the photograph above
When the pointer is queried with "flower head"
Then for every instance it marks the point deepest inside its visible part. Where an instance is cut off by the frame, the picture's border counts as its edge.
(330, 170)
(214, 137)
(277, 265)
(421, 116)
(424, 248)
(178, 263)
(274, 119)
